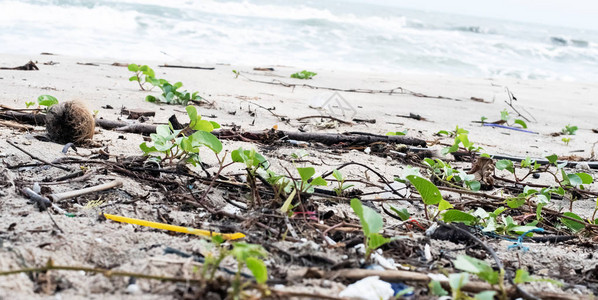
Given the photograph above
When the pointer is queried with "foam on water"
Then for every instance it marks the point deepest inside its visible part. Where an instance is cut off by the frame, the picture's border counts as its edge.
(312, 34)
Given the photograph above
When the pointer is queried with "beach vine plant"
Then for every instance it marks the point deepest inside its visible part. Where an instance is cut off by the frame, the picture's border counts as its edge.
(144, 76)
(371, 224)
(171, 93)
(246, 255)
(172, 145)
(304, 75)
(461, 138)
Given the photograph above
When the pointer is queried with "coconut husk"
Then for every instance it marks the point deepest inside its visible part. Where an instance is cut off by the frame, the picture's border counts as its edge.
(70, 122)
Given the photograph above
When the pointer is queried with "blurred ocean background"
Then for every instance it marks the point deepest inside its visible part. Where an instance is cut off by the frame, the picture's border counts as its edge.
(338, 35)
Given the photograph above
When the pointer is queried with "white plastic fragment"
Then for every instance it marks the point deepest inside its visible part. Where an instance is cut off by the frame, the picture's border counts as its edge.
(369, 288)
(427, 253)
(386, 263)
(367, 150)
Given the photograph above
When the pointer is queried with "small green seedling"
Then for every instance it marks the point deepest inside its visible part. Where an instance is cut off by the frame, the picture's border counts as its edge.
(566, 140)
(429, 193)
(506, 117)
(371, 223)
(174, 145)
(29, 104)
(237, 73)
(341, 183)
(569, 130)
(248, 255)
(304, 75)
(253, 161)
(461, 138)
(172, 95)
(148, 74)
(404, 132)
(47, 101)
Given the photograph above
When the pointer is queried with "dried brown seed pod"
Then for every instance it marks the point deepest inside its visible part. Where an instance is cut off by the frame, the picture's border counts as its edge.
(69, 122)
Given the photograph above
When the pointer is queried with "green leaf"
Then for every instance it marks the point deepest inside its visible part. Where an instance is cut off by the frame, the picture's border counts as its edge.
(485, 295)
(522, 276)
(150, 98)
(428, 191)
(575, 226)
(192, 112)
(216, 125)
(457, 281)
(505, 164)
(143, 68)
(207, 139)
(133, 67)
(306, 173)
(474, 185)
(521, 122)
(133, 78)
(376, 240)
(337, 175)
(574, 179)
(479, 267)
(444, 205)
(515, 202)
(585, 178)
(287, 203)
(258, 269)
(404, 214)
(455, 215)
(203, 125)
(146, 149)
(370, 220)
(46, 100)
(552, 158)
(436, 288)
(319, 181)
(241, 251)
(504, 115)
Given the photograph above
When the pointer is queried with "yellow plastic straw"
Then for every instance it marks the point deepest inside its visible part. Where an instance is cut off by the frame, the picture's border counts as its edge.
(226, 236)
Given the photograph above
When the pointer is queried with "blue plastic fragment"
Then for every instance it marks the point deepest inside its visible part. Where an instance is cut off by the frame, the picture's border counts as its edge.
(397, 287)
(519, 243)
(509, 127)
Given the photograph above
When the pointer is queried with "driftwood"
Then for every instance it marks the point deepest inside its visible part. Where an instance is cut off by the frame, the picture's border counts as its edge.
(262, 136)
(30, 66)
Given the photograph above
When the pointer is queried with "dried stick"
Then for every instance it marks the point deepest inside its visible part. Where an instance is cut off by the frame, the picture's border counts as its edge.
(89, 190)
(325, 117)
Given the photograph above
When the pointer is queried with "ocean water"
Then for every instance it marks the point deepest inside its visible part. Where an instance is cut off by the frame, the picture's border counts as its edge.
(339, 35)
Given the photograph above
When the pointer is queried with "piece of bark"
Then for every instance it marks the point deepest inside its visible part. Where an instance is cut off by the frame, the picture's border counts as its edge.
(135, 113)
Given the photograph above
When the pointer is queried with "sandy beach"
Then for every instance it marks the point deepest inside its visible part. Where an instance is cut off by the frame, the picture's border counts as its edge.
(28, 237)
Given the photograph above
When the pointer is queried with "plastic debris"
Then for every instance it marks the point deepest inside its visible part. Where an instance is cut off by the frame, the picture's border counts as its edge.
(226, 236)
(519, 243)
(369, 288)
(509, 127)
